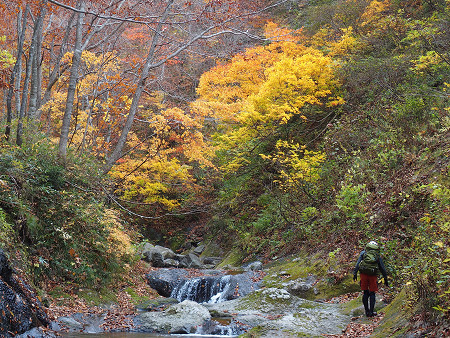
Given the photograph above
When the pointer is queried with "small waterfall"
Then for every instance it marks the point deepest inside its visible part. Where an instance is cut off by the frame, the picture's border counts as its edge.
(203, 289)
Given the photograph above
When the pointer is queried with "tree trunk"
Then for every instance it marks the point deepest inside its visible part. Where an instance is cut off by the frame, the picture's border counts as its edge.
(26, 83)
(16, 70)
(117, 152)
(76, 61)
(35, 91)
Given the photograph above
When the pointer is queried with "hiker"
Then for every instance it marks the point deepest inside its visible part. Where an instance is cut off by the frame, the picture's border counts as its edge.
(369, 264)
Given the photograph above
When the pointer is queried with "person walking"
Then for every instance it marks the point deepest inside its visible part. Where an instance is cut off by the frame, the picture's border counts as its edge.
(369, 265)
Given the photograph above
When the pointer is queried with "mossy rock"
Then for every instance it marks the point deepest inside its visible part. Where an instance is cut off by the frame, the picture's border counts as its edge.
(233, 258)
(266, 300)
(355, 307)
(282, 272)
(59, 295)
(396, 318)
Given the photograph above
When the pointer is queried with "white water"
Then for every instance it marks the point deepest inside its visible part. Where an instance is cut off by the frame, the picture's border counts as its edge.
(203, 290)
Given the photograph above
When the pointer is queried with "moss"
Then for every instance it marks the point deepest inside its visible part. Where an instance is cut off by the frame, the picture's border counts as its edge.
(263, 302)
(255, 332)
(135, 298)
(59, 295)
(395, 322)
(350, 308)
(96, 298)
(234, 258)
(303, 266)
(212, 249)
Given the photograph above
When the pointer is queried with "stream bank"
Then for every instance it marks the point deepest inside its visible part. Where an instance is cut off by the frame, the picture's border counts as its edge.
(295, 297)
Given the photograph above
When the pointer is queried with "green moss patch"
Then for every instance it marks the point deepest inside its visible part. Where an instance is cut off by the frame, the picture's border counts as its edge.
(282, 272)
(103, 297)
(395, 322)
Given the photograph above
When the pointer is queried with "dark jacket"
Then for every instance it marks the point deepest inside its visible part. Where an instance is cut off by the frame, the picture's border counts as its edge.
(380, 265)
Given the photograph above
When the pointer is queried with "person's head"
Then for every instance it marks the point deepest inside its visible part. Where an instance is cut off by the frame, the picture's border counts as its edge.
(372, 245)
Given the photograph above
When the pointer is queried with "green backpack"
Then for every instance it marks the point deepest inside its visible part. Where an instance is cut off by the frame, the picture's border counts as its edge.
(369, 263)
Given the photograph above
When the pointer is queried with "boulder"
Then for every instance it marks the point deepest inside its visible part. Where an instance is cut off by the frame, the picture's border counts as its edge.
(199, 250)
(157, 255)
(164, 280)
(275, 312)
(191, 261)
(301, 286)
(20, 308)
(182, 318)
(254, 266)
(156, 304)
(212, 260)
(171, 263)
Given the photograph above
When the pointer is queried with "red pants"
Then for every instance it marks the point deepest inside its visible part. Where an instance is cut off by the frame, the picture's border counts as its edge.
(368, 282)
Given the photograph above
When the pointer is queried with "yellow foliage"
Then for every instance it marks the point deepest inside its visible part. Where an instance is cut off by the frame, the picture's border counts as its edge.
(154, 181)
(295, 164)
(95, 114)
(345, 45)
(119, 241)
(424, 62)
(263, 88)
(224, 89)
(374, 12)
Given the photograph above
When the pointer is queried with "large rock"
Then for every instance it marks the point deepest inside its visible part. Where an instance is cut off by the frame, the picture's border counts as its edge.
(275, 311)
(182, 318)
(158, 255)
(302, 286)
(20, 308)
(191, 261)
(254, 266)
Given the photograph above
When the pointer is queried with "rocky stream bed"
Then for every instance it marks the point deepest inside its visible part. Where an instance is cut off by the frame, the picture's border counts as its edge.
(199, 302)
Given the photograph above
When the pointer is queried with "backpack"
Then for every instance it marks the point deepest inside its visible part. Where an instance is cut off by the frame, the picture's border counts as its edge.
(369, 262)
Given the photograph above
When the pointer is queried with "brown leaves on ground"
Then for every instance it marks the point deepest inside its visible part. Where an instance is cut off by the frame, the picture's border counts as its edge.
(118, 316)
(360, 327)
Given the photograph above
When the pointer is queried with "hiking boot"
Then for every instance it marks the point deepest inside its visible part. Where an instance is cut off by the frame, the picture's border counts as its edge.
(372, 314)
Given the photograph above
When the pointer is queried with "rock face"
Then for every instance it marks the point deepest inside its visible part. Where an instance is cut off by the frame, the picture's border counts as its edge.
(20, 309)
(182, 318)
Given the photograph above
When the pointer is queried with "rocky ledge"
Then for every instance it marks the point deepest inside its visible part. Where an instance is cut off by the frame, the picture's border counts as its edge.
(20, 308)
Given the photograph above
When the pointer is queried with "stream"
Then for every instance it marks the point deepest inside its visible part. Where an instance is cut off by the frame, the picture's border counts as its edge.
(135, 335)
(218, 305)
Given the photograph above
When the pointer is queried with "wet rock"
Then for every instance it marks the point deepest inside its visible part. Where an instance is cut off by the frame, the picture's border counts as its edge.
(182, 318)
(80, 322)
(36, 333)
(20, 308)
